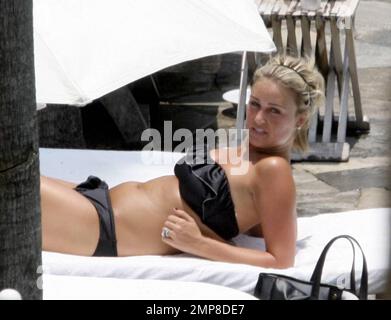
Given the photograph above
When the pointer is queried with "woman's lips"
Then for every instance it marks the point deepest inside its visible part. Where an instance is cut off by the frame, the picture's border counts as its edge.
(259, 131)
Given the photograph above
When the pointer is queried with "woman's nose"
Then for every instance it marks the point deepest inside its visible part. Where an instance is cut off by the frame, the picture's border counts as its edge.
(260, 117)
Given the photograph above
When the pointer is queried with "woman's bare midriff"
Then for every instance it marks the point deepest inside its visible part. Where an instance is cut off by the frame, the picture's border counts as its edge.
(140, 210)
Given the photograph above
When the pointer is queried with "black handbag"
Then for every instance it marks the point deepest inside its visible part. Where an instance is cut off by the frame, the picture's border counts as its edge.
(272, 286)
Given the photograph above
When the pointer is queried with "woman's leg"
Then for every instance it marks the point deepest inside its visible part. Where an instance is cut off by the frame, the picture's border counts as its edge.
(70, 223)
(67, 184)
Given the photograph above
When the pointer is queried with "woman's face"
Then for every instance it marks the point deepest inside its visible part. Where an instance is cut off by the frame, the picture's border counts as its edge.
(271, 115)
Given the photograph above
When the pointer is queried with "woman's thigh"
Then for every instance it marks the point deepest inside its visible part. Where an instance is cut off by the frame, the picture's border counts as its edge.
(70, 223)
(64, 183)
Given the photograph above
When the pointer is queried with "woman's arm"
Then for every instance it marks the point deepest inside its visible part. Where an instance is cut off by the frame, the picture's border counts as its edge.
(274, 197)
(219, 251)
(186, 237)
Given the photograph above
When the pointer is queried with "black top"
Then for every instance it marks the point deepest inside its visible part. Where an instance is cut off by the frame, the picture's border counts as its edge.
(203, 185)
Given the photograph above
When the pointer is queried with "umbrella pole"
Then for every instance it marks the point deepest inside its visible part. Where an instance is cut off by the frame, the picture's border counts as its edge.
(155, 87)
(240, 115)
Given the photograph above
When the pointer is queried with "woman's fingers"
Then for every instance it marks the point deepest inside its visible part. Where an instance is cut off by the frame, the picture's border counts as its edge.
(181, 231)
(174, 219)
(179, 216)
(182, 214)
(170, 242)
(171, 226)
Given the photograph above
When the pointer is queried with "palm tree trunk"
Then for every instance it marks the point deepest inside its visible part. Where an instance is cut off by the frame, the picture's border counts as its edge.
(20, 223)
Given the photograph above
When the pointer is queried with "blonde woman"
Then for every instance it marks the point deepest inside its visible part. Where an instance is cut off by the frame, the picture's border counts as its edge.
(203, 205)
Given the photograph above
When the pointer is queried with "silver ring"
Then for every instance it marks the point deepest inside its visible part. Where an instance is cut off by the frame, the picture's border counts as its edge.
(165, 232)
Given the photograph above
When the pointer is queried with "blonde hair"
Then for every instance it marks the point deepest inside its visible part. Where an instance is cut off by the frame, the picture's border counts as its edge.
(303, 78)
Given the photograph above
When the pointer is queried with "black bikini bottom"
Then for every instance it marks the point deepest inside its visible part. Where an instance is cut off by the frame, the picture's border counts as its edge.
(97, 192)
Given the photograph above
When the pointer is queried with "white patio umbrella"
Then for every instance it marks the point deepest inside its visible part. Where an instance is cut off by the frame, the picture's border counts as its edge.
(85, 49)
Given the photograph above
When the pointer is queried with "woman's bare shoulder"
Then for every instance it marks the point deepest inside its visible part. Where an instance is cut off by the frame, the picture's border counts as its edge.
(272, 174)
(273, 165)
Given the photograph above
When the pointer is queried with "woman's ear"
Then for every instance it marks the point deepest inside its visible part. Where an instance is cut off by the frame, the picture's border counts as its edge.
(301, 119)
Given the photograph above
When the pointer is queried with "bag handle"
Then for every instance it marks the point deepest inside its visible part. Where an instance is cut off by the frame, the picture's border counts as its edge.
(352, 271)
(317, 274)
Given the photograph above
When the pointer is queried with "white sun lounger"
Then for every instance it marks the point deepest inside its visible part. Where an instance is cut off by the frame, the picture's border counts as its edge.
(61, 287)
(371, 227)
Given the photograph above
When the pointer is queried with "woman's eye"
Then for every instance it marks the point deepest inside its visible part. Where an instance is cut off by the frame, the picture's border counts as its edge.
(274, 110)
(254, 104)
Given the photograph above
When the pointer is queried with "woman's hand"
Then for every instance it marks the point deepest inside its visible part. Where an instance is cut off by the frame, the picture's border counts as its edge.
(183, 232)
